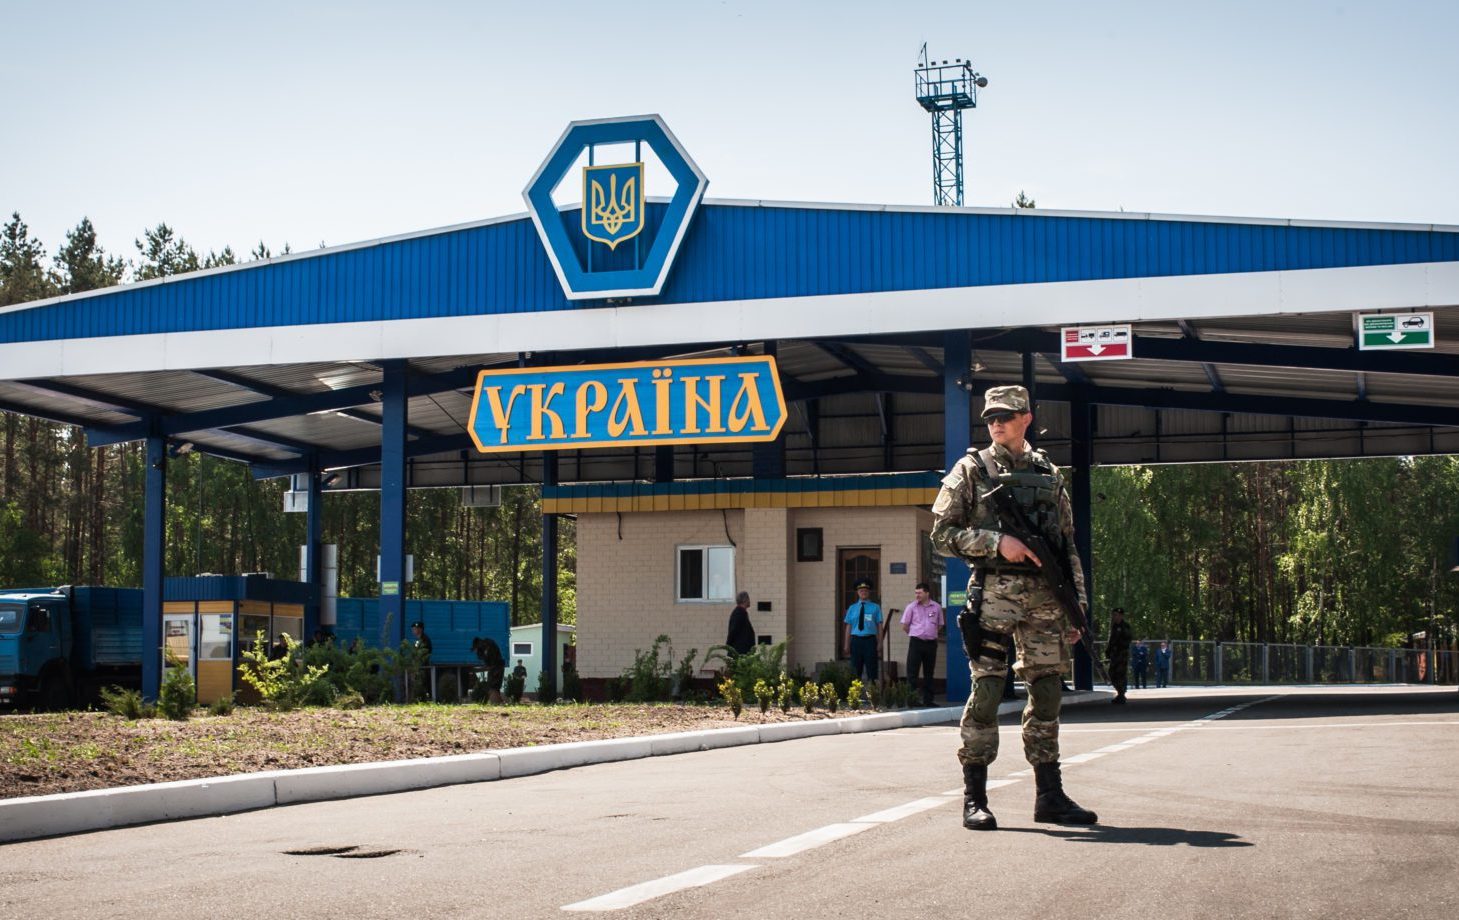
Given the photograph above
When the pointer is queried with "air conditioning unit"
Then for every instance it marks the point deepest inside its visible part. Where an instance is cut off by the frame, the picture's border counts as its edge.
(481, 496)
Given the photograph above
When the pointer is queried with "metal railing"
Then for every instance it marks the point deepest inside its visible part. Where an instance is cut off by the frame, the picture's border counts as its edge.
(1205, 662)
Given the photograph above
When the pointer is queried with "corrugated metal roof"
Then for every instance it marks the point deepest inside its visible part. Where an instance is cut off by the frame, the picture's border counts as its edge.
(731, 253)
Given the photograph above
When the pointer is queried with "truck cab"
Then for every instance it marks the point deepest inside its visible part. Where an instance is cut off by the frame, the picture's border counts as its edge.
(35, 649)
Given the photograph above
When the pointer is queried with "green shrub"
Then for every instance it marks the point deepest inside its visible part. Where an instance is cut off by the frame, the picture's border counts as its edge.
(222, 706)
(648, 679)
(808, 694)
(614, 688)
(784, 692)
(288, 682)
(763, 662)
(546, 688)
(349, 699)
(855, 695)
(126, 703)
(682, 682)
(828, 696)
(874, 695)
(764, 695)
(572, 684)
(731, 693)
(838, 674)
(516, 686)
(178, 695)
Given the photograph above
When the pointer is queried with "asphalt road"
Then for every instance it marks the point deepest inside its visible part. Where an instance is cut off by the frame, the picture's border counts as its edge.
(1269, 803)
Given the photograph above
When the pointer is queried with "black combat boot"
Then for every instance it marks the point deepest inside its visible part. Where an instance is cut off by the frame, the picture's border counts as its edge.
(1052, 805)
(976, 816)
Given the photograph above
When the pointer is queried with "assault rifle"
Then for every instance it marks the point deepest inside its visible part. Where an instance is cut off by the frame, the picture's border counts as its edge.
(1054, 571)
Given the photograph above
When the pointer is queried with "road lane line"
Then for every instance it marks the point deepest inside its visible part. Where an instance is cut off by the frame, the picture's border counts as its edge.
(790, 846)
(1284, 727)
(807, 841)
(898, 812)
(647, 891)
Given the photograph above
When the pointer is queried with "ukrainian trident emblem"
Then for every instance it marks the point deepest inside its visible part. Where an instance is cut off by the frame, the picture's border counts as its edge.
(613, 202)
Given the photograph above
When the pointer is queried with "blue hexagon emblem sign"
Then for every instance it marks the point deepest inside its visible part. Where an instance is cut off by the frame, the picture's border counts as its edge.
(619, 242)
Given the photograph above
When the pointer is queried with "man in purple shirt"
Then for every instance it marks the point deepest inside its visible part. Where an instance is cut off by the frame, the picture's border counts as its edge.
(922, 621)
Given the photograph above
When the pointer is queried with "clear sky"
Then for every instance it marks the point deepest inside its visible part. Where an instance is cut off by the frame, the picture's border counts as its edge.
(342, 121)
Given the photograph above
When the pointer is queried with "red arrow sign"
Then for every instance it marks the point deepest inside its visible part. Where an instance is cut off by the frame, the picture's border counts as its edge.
(1096, 343)
(1115, 350)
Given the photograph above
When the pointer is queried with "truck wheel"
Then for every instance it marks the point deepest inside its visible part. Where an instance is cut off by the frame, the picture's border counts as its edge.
(54, 695)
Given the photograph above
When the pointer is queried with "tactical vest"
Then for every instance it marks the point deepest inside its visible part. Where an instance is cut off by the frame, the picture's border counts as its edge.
(1036, 490)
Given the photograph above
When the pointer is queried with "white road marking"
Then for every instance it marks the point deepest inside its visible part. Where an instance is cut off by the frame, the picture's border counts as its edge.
(807, 841)
(1285, 727)
(790, 846)
(899, 812)
(647, 891)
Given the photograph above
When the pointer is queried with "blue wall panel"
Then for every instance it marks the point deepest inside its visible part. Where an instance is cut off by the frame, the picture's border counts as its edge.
(729, 253)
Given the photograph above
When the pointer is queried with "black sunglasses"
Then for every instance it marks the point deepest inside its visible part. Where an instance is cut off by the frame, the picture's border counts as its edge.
(1004, 417)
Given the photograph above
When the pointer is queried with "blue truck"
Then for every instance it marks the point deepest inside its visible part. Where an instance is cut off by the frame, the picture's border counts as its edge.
(59, 646)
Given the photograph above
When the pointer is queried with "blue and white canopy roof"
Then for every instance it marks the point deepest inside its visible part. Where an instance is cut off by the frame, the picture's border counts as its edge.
(254, 360)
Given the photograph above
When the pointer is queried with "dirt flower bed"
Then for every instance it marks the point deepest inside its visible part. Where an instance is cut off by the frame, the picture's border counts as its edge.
(68, 752)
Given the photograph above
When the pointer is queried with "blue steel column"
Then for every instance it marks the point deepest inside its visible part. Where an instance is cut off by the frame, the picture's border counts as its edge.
(153, 565)
(313, 536)
(392, 502)
(957, 358)
(549, 576)
(1081, 459)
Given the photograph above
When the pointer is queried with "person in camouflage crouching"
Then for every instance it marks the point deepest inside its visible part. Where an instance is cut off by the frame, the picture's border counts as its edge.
(1014, 602)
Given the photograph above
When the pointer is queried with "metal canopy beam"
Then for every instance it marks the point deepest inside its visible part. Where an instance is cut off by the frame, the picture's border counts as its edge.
(287, 406)
(1190, 332)
(847, 357)
(1259, 355)
(107, 400)
(873, 382)
(1349, 410)
(273, 392)
(51, 415)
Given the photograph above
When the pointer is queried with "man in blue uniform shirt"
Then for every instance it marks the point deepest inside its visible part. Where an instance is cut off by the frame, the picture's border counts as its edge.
(863, 632)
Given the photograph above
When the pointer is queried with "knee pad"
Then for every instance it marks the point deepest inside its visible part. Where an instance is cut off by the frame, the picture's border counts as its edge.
(1046, 693)
(987, 694)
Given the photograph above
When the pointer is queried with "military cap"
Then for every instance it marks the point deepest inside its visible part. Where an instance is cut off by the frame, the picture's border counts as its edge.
(864, 583)
(417, 625)
(1005, 399)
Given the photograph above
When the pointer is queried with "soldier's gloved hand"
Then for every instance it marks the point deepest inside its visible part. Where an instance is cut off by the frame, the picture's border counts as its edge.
(1015, 550)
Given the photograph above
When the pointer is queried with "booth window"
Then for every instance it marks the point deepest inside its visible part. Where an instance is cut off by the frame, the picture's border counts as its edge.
(215, 641)
(706, 573)
(521, 649)
(808, 544)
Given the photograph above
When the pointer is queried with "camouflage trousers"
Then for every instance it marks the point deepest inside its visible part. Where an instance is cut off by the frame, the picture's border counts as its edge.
(1020, 606)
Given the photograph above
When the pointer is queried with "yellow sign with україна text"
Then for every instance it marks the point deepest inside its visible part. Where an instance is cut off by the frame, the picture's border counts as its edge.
(692, 401)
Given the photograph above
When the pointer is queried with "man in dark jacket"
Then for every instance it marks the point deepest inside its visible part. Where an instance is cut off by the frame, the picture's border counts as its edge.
(1117, 652)
(741, 636)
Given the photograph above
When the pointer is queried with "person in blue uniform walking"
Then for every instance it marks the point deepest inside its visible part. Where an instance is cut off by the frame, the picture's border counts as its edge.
(863, 633)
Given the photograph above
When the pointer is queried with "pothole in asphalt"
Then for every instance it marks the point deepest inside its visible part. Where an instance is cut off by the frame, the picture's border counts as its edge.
(350, 852)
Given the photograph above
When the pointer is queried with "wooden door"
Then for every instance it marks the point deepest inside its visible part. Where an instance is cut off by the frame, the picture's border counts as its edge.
(852, 565)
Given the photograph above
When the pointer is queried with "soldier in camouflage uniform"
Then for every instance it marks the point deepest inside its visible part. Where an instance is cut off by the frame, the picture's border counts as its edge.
(1015, 602)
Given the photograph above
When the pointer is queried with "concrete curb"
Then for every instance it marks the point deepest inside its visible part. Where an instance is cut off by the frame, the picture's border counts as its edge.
(100, 809)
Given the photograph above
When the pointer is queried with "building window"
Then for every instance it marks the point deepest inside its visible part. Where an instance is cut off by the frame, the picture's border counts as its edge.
(809, 544)
(706, 573)
(521, 650)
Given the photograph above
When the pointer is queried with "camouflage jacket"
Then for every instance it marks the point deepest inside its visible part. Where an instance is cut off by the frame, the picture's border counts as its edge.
(965, 526)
